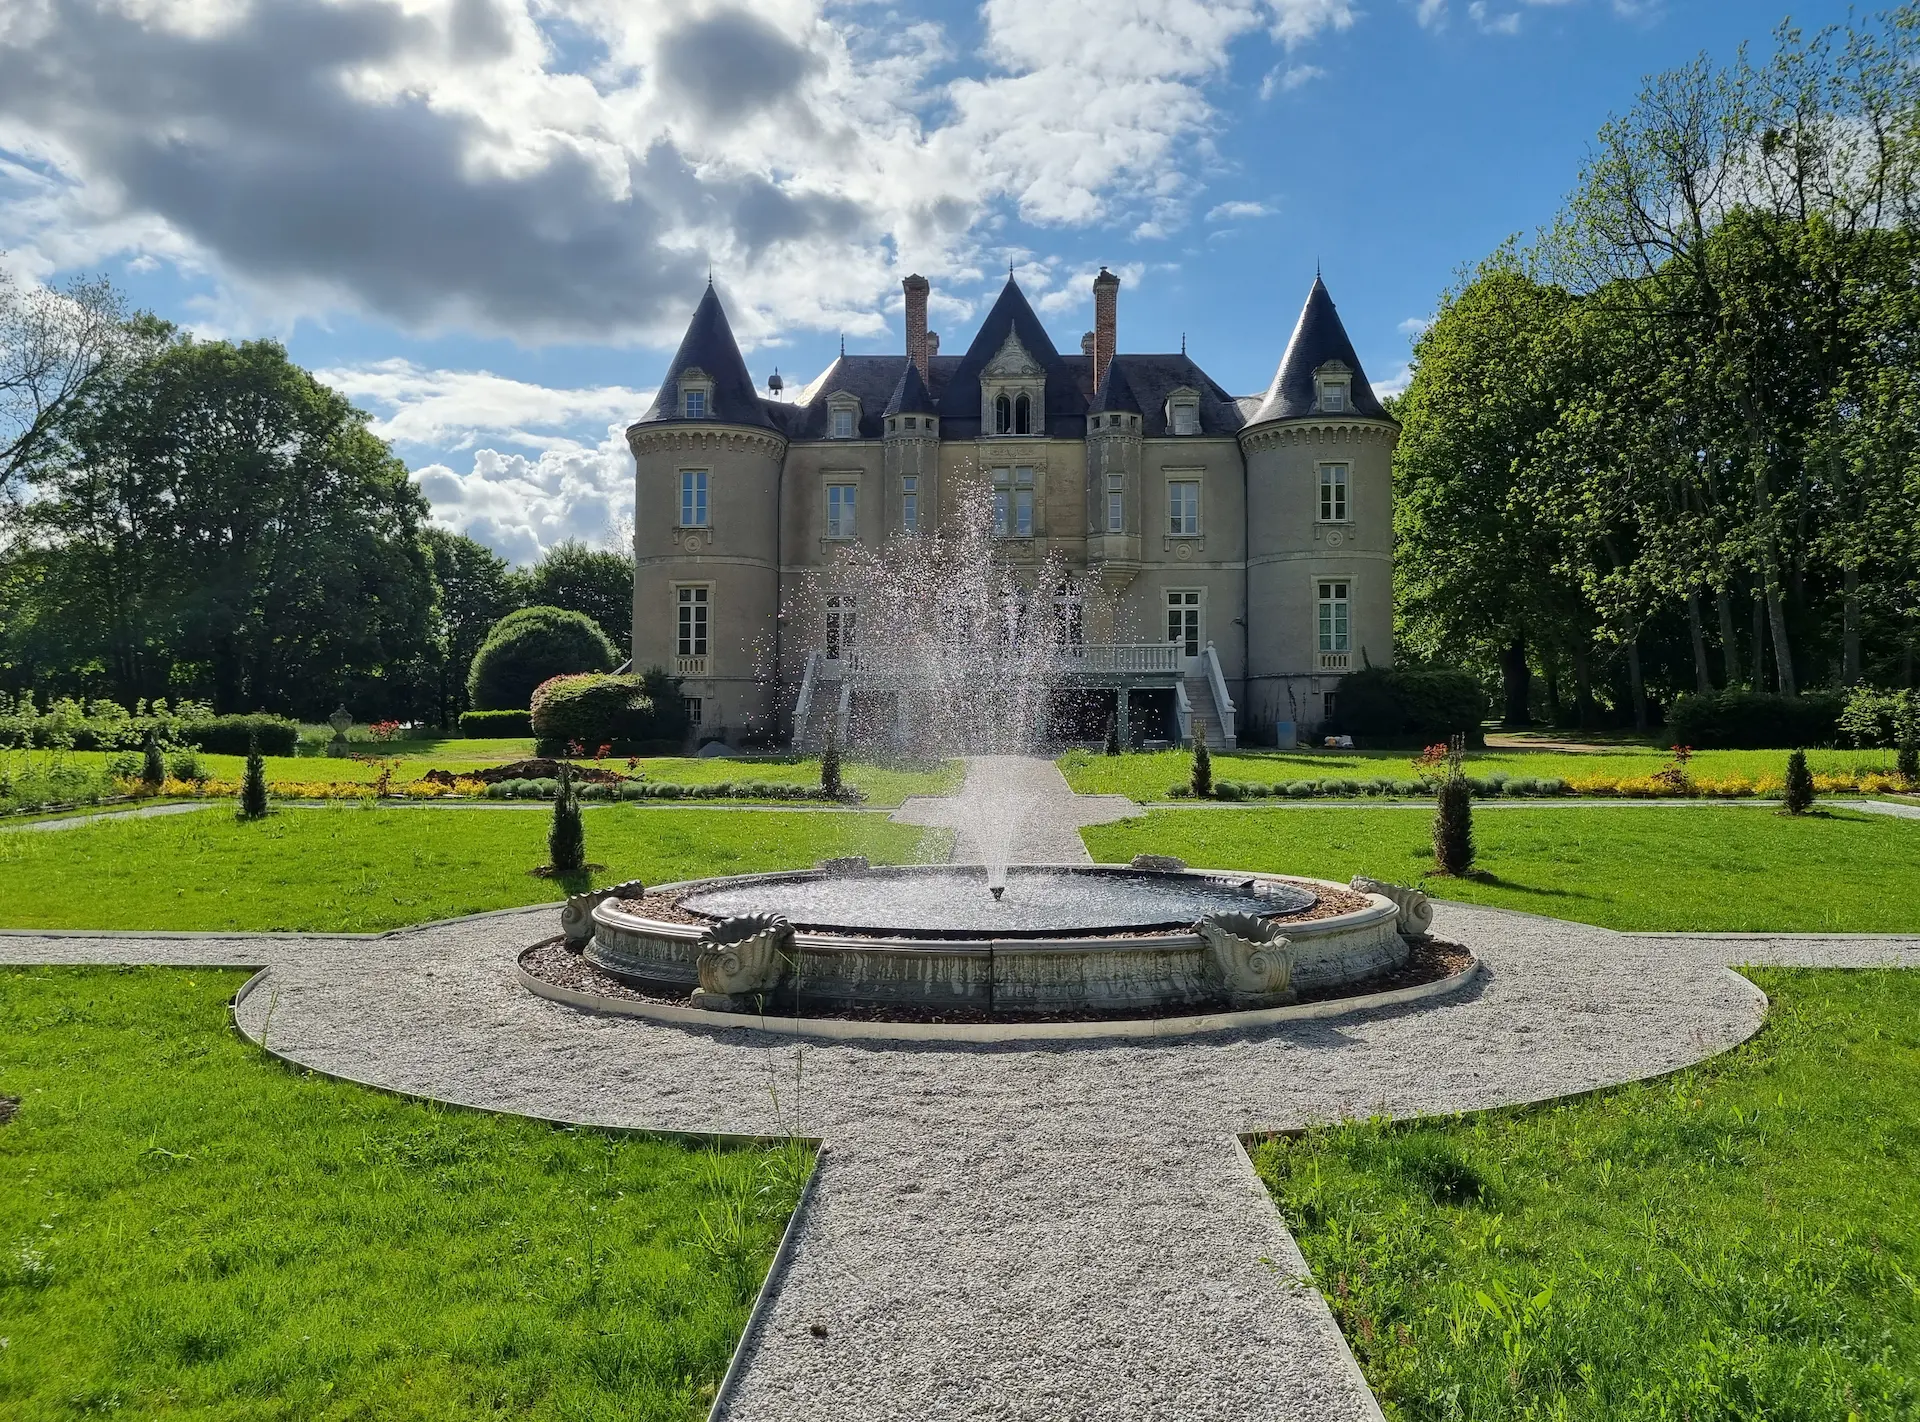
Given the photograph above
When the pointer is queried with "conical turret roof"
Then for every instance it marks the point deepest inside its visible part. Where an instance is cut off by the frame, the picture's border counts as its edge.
(910, 395)
(709, 347)
(1115, 396)
(1318, 338)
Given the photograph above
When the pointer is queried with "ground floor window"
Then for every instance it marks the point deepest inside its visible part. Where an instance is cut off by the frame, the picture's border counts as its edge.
(696, 710)
(1333, 616)
(910, 502)
(693, 621)
(1326, 705)
(1183, 620)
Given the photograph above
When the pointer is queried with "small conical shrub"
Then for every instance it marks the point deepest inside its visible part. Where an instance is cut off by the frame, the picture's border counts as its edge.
(567, 839)
(1453, 815)
(153, 769)
(1202, 779)
(1799, 794)
(253, 790)
(1113, 735)
(830, 764)
(1908, 763)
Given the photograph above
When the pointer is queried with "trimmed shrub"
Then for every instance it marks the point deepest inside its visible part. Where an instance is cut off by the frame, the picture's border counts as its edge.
(495, 725)
(253, 791)
(528, 647)
(153, 765)
(567, 838)
(1754, 720)
(243, 735)
(1228, 790)
(1408, 704)
(1799, 789)
(1453, 827)
(593, 708)
(1202, 776)
(1113, 735)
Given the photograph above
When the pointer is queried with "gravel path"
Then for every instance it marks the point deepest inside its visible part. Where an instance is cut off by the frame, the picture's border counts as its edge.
(1048, 1231)
(1015, 810)
(145, 812)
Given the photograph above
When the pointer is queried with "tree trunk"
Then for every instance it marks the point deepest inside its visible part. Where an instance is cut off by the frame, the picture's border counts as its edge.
(1850, 627)
(1729, 640)
(1782, 648)
(1517, 679)
(1583, 687)
(1759, 643)
(1696, 628)
(1637, 686)
(1550, 669)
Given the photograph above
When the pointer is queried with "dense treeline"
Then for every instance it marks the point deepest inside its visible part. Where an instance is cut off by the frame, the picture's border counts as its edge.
(204, 520)
(1674, 446)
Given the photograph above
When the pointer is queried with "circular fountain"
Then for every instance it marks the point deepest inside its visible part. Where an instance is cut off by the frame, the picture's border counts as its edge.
(920, 944)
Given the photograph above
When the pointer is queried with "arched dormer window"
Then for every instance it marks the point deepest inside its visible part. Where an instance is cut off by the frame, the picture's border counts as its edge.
(1022, 414)
(1002, 415)
(1013, 387)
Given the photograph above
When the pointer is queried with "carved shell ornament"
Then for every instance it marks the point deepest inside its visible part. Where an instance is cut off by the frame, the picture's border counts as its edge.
(1416, 909)
(576, 914)
(744, 955)
(1249, 955)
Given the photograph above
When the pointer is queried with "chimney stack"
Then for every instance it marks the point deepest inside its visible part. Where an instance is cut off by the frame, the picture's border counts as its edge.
(1086, 345)
(916, 289)
(933, 346)
(1106, 320)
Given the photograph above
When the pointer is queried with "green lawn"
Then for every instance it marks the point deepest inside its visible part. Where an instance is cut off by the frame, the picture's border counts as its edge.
(190, 1229)
(883, 784)
(1738, 1243)
(1145, 776)
(352, 869)
(1680, 867)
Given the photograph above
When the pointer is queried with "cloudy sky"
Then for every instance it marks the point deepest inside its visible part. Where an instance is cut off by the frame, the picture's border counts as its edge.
(488, 220)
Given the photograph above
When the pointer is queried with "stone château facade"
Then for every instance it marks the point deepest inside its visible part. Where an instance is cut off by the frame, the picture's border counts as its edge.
(1243, 542)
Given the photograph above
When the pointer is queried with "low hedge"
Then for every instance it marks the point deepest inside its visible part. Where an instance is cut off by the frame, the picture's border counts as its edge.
(1483, 787)
(663, 790)
(1406, 705)
(231, 735)
(1754, 720)
(496, 725)
(593, 708)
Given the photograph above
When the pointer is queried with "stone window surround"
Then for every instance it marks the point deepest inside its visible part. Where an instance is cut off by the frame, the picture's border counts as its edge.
(680, 524)
(1166, 606)
(1334, 376)
(695, 381)
(1013, 372)
(1034, 488)
(1319, 485)
(841, 401)
(707, 625)
(1314, 580)
(839, 478)
(1183, 399)
(1170, 477)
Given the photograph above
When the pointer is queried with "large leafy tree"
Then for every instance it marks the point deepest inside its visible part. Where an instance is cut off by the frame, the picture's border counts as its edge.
(597, 582)
(216, 522)
(475, 589)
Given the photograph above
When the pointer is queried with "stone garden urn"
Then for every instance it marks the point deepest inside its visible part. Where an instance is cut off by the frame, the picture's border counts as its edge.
(340, 720)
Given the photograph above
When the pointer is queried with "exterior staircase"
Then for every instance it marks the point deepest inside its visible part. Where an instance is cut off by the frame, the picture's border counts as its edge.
(1205, 713)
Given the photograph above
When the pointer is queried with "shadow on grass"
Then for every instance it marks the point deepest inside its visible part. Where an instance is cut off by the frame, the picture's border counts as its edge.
(1494, 881)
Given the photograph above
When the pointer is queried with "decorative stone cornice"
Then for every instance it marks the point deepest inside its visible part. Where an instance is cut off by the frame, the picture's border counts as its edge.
(663, 437)
(1331, 432)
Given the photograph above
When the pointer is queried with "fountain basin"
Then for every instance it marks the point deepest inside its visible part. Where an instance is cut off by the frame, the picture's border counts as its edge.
(1065, 939)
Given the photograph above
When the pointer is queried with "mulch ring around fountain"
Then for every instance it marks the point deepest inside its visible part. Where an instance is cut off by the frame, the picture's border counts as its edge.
(1429, 960)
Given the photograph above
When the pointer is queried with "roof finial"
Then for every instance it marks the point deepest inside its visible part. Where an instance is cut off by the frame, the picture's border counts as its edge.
(1183, 343)
(843, 343)
(1009, 268)
(709, 276)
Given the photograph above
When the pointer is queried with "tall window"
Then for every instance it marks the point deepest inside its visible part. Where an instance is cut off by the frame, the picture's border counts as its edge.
(843, 424)
(840, 510)
(1116, 503)
(1183, 507)
(1069, 609)
(1013, 502)
(696, 710)
(1333, 493)
(1002, 415)
(693, 622)
(910, 503)
(1022, 415)
(1183, 620)
(693, 498)
(1333, 617)
(840, 627)
(696, 404)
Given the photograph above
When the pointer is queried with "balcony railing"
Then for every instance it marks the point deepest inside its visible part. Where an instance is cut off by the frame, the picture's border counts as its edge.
(1159, 658)
(1335, 661)
(689, 666)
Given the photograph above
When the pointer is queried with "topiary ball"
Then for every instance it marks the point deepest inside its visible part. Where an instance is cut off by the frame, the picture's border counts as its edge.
(530, 646)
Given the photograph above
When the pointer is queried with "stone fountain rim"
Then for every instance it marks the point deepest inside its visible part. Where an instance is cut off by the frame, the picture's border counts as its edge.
(1379, 907)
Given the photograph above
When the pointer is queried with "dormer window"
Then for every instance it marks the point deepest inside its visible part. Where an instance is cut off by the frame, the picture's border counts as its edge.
(843, 416)
(1183, 412)
(696, 394)
(1336, 388)
(1012, 391)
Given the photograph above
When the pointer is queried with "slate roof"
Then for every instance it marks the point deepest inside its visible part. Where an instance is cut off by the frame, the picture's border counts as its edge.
(709, 345)
(1318, 337)
(1116, 395)
(1066, 394)
(910, 394)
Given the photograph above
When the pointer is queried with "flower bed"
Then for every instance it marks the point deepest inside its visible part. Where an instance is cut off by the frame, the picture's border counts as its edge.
(467, 788)
(1634, 787)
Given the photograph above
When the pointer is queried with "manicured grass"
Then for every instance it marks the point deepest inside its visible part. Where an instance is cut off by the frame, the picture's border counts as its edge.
(1740, 1241)
(353, 869)
(882, 784)
(190, 1229)
(1145, 776)
(1684, 867)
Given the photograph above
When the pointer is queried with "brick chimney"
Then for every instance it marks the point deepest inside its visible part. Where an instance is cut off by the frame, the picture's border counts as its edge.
(916, 289)
(1106, 321)
(1086, 345)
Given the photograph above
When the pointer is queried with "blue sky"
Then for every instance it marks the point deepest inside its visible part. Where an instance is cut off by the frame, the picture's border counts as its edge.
(486, 220)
